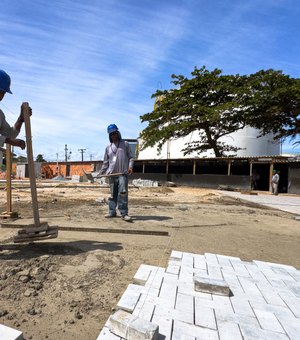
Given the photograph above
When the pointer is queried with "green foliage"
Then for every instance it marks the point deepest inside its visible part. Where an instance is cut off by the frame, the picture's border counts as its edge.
(215, 105)
(209, 104)
(275, 103)
(40, 158)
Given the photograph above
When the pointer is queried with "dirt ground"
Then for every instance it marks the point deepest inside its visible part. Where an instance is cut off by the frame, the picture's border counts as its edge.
(66, 288)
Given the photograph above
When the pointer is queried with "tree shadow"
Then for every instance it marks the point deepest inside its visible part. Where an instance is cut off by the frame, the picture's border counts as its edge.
(149, 218)
(34, 250)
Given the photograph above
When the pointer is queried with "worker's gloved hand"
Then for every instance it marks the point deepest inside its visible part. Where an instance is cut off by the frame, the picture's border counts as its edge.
(16, 142)
(21, 117)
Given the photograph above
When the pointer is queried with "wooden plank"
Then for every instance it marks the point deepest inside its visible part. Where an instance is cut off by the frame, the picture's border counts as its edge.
(8, 178)
(26, 115)
(96, 230)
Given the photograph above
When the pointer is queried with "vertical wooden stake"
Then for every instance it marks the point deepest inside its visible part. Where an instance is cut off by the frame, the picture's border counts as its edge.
(8, 179)
(26, 115)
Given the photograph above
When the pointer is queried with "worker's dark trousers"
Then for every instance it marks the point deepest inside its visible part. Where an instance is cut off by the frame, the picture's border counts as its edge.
(119, 195)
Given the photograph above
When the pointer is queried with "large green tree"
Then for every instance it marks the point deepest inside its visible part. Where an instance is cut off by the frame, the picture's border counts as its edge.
(215, 105)
(274, 103)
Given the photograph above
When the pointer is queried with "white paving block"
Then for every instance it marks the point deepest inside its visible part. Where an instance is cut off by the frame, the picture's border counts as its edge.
(224, 262)
(276, 310)
(240, 269)
(118, 323)
(130, 327)
(254, 333)
(176, 255)
(185, 305)
(144, 310)
(8, 333)
(212, 259)
(205, 317)
(165, 326)
(183, 329)
(106, 334)
(168, 290)
(200, 262)
(241, 306)
(291, 326)
(222, 302)
(143, 273)
(214, 272)
(187, 260)
(226, 316)
(140, 329)
(155, 279)
(229, 331)
(129, 298)
(270, 296)
(173, 267)
(250, 287)
(292, 302)
(267, 320)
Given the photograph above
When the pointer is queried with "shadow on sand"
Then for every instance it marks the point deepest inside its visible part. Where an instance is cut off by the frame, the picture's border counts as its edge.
(33, 250)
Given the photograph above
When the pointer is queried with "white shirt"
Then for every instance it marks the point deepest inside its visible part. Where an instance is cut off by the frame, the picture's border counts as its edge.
(6, 130)
(275, 179)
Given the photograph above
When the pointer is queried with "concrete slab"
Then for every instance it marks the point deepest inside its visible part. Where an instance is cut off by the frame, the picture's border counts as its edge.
(288, 203)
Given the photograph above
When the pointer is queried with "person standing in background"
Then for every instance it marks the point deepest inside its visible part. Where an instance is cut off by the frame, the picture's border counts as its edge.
(275, 182)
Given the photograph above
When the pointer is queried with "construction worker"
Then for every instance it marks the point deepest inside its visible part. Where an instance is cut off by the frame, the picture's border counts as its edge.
(9, 133)
(117, 164)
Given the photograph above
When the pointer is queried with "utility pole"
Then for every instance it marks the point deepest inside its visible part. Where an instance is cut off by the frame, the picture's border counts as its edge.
(82, 151)
(67, 156)
(66, 152)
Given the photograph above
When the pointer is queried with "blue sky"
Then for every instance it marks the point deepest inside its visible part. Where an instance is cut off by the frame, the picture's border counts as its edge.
(83, 64)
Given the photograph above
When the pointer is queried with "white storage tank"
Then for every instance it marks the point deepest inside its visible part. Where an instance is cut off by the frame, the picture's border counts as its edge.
(246, 139)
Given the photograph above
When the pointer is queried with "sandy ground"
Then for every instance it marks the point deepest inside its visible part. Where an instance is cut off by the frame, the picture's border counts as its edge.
(67, 287)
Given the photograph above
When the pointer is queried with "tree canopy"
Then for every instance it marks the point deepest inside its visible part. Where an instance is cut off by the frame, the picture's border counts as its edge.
(214, 105)
(275, 104)
(40, 158)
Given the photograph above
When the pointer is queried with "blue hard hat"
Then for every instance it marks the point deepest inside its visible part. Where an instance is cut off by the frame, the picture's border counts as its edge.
(4, 82)
(112, 128)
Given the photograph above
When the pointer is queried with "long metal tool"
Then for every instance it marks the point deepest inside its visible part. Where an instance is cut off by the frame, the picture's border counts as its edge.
(37, 231)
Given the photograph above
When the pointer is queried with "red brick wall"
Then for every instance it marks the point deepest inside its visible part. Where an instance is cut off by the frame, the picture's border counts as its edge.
(75, 168)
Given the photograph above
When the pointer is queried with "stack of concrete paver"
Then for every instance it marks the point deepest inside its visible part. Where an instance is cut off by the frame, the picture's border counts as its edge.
(263, 301)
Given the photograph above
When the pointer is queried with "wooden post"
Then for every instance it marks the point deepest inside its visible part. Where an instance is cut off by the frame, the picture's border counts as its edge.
(229, 168)
(8, 179)
(8, 213)
(271, 175)
(26, 115)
